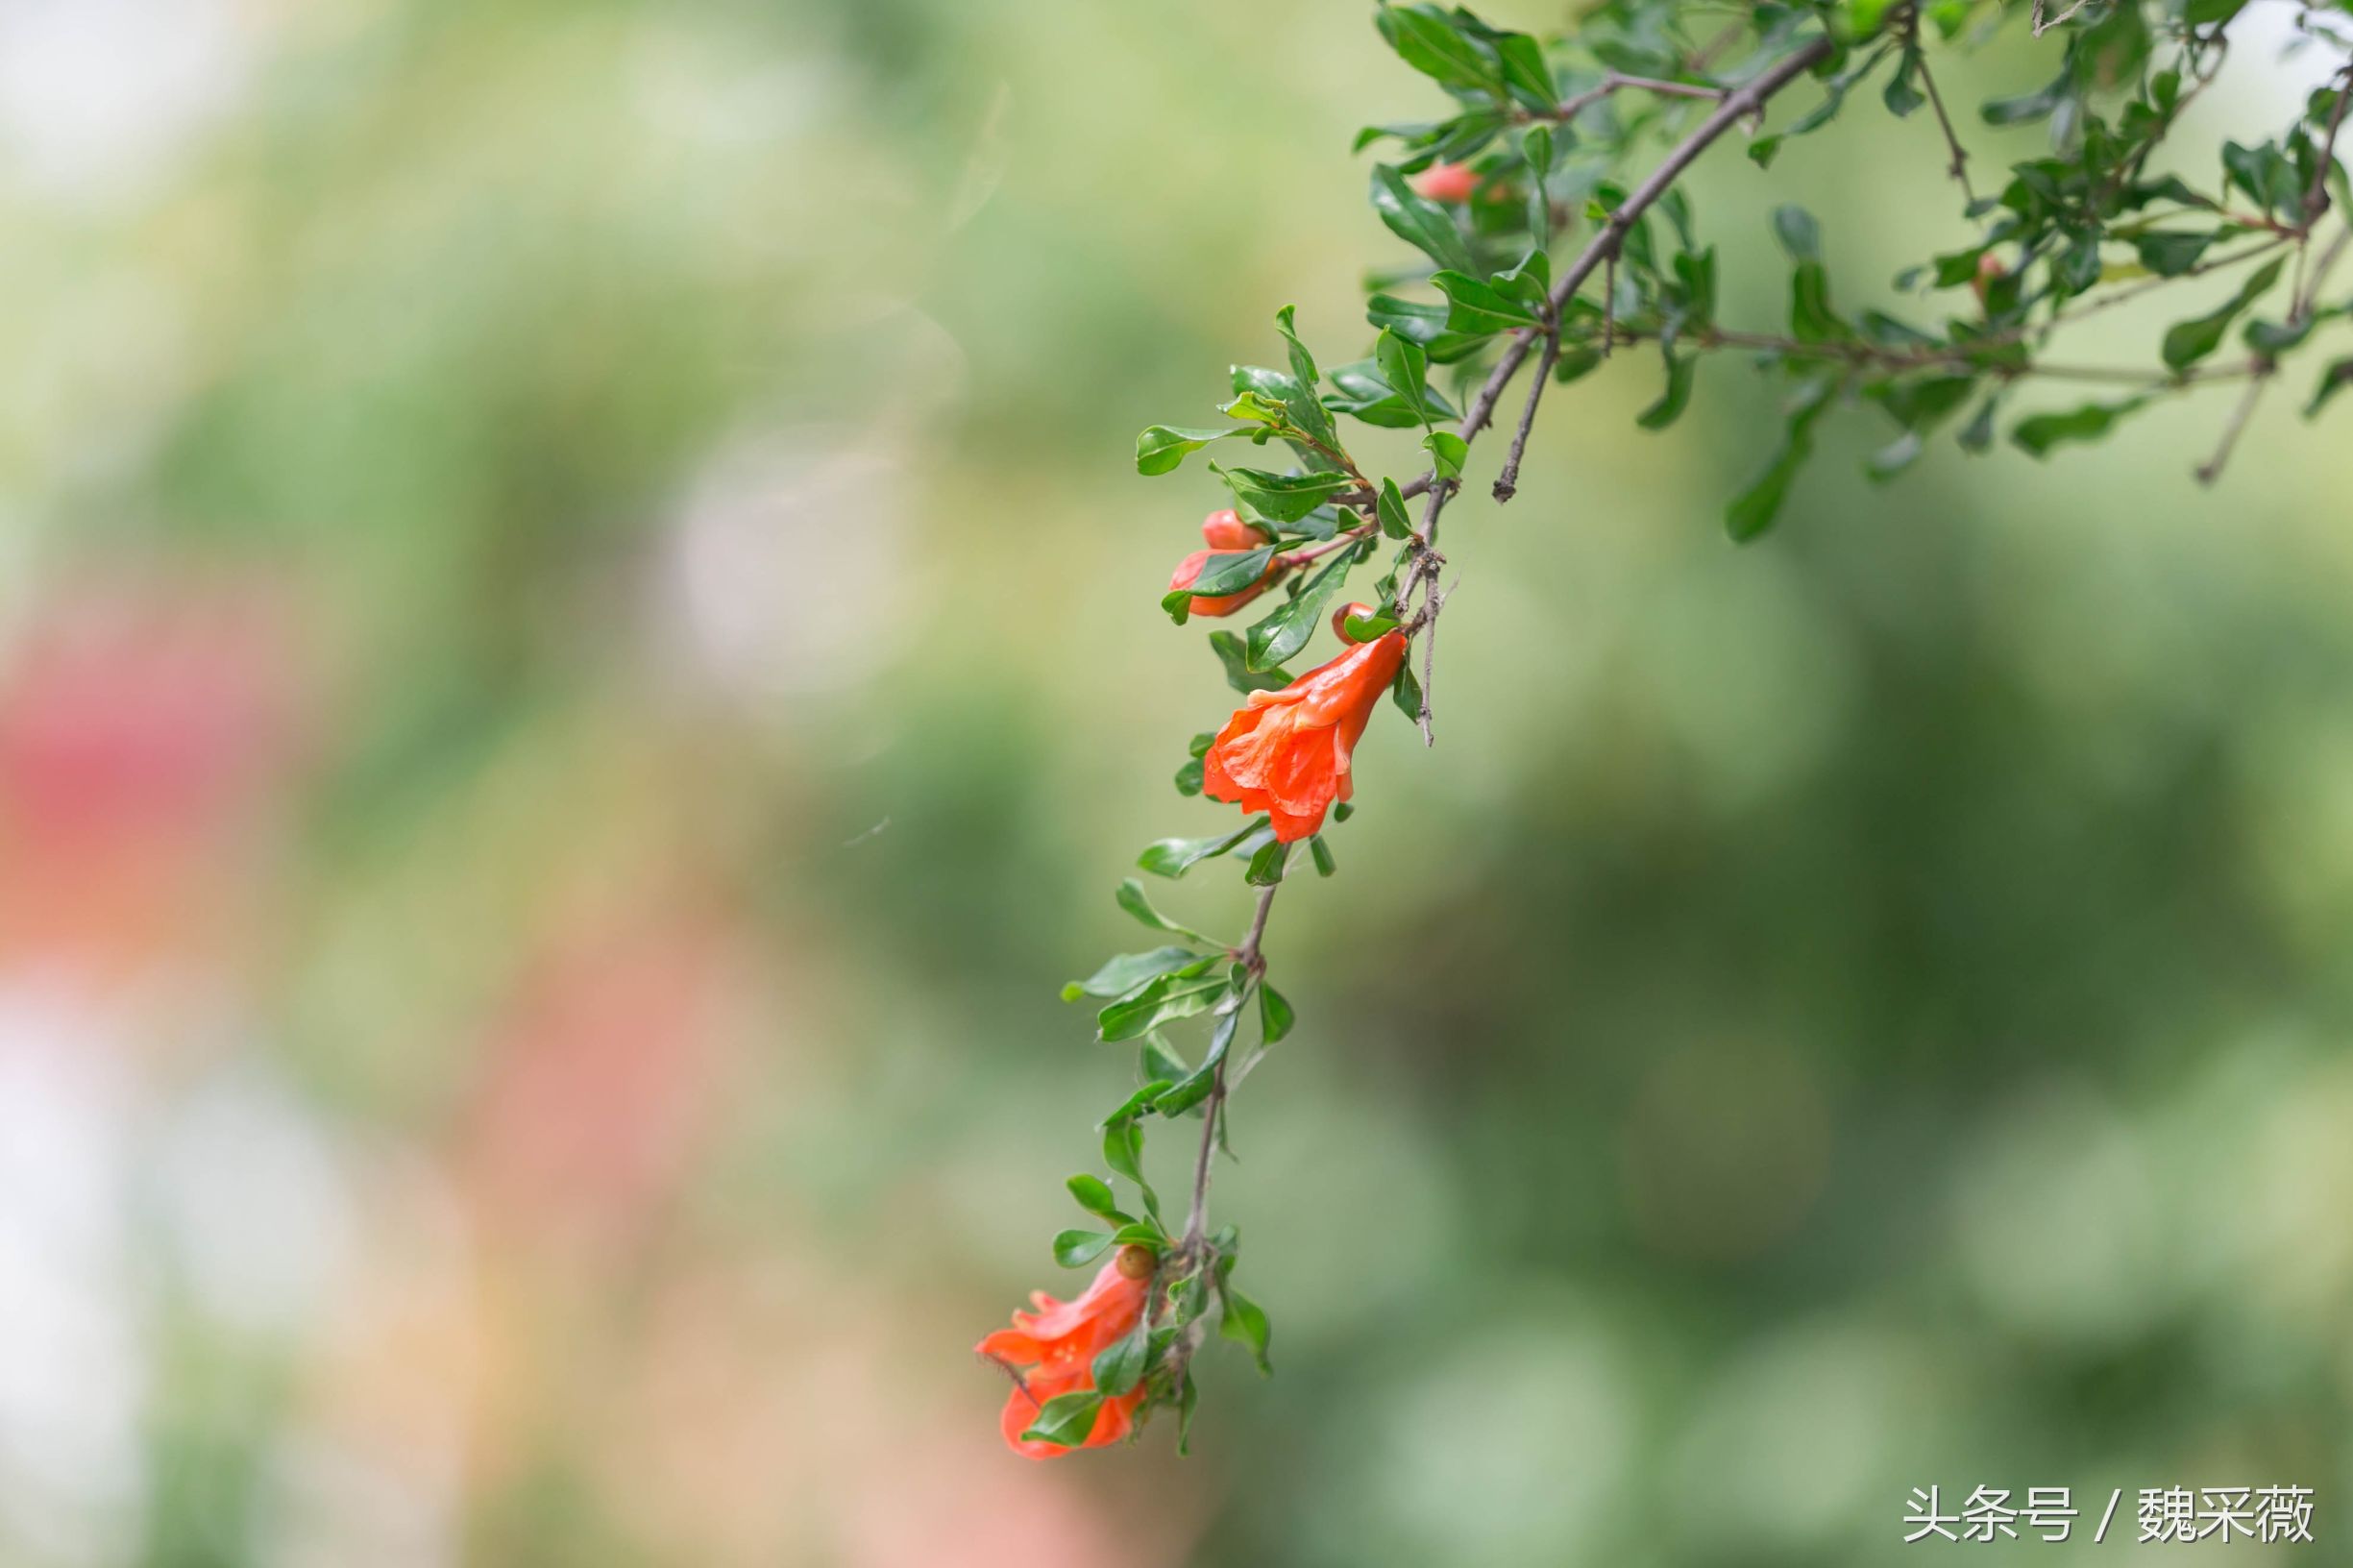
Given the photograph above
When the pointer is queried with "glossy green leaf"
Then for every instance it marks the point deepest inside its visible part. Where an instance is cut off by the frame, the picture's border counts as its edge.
(1287, 631)
(1174, 857)
(1066, 1419)
(1126, 972)
(1076, 1249)
(1420, 222)
(2040, 433)
(1162, 447)
(1752, 512)
(1244, 1321)
(1235, 655)
(2188, 342)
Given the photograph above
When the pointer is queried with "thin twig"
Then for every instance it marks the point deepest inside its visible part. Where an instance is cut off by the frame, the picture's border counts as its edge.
(2210, 469)
(2042, 26)
(1568, 109)
(1959, 167)
(1507, 482)
(2315, 194)
(1252, 959)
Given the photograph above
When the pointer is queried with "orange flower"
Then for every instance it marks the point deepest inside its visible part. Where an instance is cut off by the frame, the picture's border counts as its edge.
(1225, 532)
(1052, 1350)
(1285, 752)
(1447, 182)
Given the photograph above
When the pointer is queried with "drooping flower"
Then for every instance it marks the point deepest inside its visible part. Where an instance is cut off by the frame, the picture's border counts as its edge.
(1447, 182)
(1052, 1350)
(1224, 532)
(1286, 752)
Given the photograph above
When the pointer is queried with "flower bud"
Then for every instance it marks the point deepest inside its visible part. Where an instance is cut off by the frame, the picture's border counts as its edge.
(1447, 183)
(1136, 1263)
(1339, 618)
(1188, 572)
(1990, 271)
(1226, 530)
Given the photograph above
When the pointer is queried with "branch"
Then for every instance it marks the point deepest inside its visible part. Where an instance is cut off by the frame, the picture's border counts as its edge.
(1507, 482)
(1568, 109)
(1248, 956)
(1959, 167)
(1731, 109)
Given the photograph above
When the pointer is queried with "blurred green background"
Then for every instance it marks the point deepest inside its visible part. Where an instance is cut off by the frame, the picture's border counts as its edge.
(579, 659)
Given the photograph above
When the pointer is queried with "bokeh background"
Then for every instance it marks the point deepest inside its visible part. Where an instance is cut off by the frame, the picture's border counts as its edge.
(578, 660)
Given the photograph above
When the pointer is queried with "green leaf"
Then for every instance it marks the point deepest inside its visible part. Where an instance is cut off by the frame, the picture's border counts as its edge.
(1751, 512)
(1284, 498)
(1174, 857)
(1427, 40)
(1275, 1014)
(1187, 1399)
(1230, 571)
(1302, 411)
(1448, 452)
(1125, 973)
(1266, 865)
(1095, 1197)
(2170, 255)
(1325, 865)
(1124, 1144)
(1181, 993)
(1420, 222)
(1362, 390)
(1066, 1419)
(1303, 363)
(1235, 657)
(1671, 404)
(1476, 307)
(1287, 631)
(1076, 1249)
(1132, 898)
(1798, 231)
(1244, 1321)
(2040, 433)
(2332, 380)
(1406, 368)
(1161, 447)
(2211, 12)
(2277, 336)
(2188, 342)
(1391, 509)
(1406, 693)
(1196, 1087)
(1121, 1366)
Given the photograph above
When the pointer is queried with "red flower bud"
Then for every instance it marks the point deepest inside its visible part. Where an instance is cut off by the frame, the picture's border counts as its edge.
(1447, 182)
(1990, 271)
(1339, 618)
(1226, 530)
(1286, 752)
(1226, 526)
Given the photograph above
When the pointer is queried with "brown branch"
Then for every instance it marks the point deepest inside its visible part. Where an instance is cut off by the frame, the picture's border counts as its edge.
(1731, 109)
(1568, 109)
(1959, 166)
(1254, 962)
(1507, 482)
(2316, 195)
(2210, 469)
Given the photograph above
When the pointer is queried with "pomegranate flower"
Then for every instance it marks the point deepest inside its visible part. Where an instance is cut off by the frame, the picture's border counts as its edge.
(1224, 532)
(1052, 1351)
(1286, 752)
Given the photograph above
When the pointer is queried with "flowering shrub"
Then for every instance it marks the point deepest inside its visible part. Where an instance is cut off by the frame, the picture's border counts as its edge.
(1545, 231)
